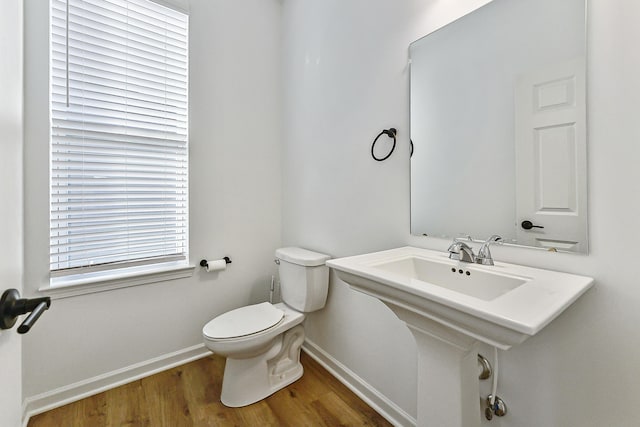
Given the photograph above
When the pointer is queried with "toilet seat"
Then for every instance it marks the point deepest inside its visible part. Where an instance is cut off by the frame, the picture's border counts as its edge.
(243, 321)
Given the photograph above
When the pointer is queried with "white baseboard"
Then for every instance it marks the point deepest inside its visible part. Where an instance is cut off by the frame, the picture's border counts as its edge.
(46, 401)
(385, 407)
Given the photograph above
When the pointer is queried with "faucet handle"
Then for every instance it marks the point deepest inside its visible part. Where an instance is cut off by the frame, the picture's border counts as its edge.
(484, 254)
(494, 239)
(457, 245)
(460, 251)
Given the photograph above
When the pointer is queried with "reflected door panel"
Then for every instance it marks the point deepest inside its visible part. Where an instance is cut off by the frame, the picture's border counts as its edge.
(551, 186)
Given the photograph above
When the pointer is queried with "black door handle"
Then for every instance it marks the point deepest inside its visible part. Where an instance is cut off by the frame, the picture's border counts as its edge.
(12, 306)
(528, 225)
(31, 319)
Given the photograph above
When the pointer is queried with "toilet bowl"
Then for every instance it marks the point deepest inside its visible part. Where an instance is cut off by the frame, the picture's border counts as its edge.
(262, 341)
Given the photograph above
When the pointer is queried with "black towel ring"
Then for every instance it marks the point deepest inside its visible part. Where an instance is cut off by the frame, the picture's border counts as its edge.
(391, 133)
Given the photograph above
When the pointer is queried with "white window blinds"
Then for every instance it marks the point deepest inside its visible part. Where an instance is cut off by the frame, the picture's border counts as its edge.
(118, 134)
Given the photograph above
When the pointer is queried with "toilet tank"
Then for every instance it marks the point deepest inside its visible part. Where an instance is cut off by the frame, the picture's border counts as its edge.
(304, 278)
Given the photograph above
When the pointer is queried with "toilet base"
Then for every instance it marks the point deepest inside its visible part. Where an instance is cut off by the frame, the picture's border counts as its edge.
(247, 381)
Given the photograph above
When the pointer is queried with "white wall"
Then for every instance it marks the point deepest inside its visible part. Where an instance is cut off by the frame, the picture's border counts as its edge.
(346, 79)
(11, 196)
(234, 202)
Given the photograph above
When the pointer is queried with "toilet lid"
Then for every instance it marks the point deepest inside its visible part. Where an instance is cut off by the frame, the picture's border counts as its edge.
(243, 321)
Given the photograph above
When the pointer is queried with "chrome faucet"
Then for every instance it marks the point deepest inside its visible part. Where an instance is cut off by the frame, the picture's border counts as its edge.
(460, 251)
(484, 254)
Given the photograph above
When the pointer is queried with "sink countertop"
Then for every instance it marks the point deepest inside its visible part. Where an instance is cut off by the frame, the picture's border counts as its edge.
(527, 308)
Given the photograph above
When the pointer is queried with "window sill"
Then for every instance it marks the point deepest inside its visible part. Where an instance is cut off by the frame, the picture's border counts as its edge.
(82, 284)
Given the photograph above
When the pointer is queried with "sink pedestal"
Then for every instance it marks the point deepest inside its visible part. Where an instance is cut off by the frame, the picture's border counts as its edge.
(448, 389)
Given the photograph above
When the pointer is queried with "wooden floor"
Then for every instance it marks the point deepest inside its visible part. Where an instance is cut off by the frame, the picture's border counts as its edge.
(189, 395)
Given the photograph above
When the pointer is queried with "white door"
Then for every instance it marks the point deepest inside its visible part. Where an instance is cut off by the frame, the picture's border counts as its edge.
(11, 205)
(551, 187)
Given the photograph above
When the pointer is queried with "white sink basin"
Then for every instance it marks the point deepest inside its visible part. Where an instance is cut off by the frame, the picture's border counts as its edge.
(501, 305)
(465, 279)
(449, 306)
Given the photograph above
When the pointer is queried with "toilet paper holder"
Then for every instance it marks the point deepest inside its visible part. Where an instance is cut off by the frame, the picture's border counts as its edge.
(205, 263)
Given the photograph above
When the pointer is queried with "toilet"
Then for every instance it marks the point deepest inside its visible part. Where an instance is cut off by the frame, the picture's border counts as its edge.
(262, 341)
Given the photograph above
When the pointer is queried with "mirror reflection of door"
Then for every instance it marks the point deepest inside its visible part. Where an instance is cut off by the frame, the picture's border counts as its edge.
(550, 131)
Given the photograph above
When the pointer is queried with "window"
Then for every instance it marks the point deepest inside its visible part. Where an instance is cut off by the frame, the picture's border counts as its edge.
(119, 158)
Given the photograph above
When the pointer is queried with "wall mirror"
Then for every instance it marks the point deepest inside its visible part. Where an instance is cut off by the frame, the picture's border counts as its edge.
(498, 124)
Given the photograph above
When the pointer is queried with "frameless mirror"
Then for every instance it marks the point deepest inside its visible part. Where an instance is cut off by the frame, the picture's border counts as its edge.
(498, 125)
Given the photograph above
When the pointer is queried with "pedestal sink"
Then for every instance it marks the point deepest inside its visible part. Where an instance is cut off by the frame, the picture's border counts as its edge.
(451, 306)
